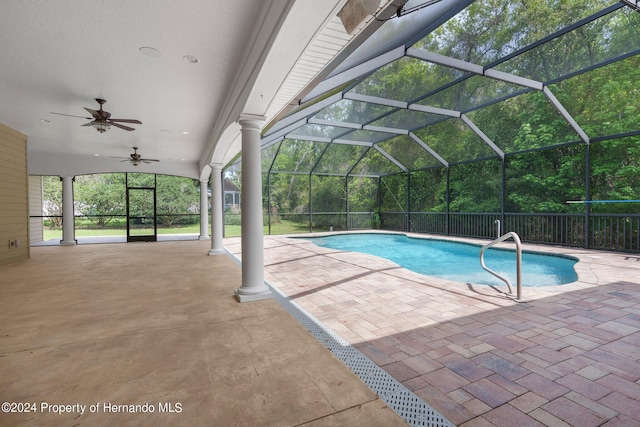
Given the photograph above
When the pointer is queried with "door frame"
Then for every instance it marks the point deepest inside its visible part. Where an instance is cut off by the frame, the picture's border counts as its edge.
(145, 237)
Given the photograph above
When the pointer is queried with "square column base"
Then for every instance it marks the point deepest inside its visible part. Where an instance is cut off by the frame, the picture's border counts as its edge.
(253, 297)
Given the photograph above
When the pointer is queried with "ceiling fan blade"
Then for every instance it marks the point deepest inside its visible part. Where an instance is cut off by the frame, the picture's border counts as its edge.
(122, 126)
(126, 121)
(89, 124)
(71, 115)
(149, 160)
(94, 113)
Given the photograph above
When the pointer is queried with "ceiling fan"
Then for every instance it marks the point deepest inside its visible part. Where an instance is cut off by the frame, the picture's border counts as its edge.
(135, 159)
(102, 120)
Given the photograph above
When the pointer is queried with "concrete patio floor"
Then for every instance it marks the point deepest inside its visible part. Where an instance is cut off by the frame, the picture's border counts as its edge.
(570, 356)
(117, 330)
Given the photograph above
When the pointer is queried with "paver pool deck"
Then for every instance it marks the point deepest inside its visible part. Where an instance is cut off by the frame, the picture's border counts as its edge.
(568, 356)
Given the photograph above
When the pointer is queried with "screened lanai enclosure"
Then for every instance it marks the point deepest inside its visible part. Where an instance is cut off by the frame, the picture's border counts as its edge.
(457, 114)
(138, 206)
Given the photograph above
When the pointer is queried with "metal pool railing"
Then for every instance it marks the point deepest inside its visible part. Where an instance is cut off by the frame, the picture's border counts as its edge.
(516, 238)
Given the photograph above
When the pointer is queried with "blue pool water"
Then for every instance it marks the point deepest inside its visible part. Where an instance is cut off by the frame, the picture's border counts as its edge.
(455, 261)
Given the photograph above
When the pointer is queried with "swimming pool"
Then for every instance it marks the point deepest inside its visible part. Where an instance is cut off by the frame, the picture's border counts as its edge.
(456, 261)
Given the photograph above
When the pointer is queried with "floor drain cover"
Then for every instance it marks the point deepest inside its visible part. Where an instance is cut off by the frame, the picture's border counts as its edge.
(404, 402)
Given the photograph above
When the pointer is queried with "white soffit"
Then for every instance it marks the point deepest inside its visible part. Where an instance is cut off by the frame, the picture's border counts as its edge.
(322, 47)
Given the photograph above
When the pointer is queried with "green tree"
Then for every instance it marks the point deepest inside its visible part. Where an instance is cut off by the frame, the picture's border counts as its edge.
(52, 200)
(100, 197)
(176, 197)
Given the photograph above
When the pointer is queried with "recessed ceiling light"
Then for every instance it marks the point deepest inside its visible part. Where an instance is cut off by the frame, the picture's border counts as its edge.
(97, 155)
(191, 59)
(184, 160)
(185, 133)
(150, 51)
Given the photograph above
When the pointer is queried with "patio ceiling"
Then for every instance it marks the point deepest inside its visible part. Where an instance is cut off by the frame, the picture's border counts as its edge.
(187, 70)
(384, 123)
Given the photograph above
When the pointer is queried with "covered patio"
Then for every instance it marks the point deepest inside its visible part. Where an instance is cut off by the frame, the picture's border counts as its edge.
(119, 327)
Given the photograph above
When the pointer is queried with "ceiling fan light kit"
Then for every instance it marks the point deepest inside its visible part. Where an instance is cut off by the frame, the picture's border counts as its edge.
(102, 120)
(135, 158)
(101, 127)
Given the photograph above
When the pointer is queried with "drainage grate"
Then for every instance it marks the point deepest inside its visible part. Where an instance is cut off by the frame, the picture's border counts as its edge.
(405, 403)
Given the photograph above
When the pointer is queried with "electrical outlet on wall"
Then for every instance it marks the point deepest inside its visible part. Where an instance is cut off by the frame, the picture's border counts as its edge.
(14, 243)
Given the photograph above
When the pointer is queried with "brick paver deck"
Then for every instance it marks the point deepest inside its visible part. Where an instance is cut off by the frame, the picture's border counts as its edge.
(570, 355)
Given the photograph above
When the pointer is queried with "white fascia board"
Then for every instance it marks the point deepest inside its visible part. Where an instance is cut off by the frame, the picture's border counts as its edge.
(391, 159)
(271, 143)
(351, 142)
(303, 114)
(510, 78)
(446, 61)
(375, 100)
(355, 72)
(386, 130)
(265, 141)
(565, 114)
(482, 135)
(333, 123)
(459, 64)
(435, 110)
(430, 150)
(307, 138)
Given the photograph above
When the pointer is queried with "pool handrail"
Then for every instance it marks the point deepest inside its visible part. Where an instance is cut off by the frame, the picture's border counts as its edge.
(510, 235)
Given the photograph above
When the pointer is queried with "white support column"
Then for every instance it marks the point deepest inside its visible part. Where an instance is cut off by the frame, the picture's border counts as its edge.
(217, 225)
(204, 210)
(253, 286)
(68, 221)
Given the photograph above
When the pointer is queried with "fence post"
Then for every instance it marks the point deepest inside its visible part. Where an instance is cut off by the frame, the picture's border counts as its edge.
(409, 202)
(587, 195)
(447, 201)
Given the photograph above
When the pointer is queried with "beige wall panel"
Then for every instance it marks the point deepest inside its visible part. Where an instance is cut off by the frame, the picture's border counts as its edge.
(14, 196)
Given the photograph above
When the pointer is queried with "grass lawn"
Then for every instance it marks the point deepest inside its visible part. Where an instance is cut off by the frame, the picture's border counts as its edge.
(282, 227)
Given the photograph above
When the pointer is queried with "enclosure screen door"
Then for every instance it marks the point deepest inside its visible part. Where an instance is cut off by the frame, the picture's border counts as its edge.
(141, 215)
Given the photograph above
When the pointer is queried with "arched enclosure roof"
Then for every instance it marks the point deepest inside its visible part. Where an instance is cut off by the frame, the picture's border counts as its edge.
(480, 80)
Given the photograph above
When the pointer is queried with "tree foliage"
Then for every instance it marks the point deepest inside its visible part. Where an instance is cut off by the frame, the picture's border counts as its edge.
(176, 196)
(100, 197)
(103, 197)
(545, 158)
(52, 200)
